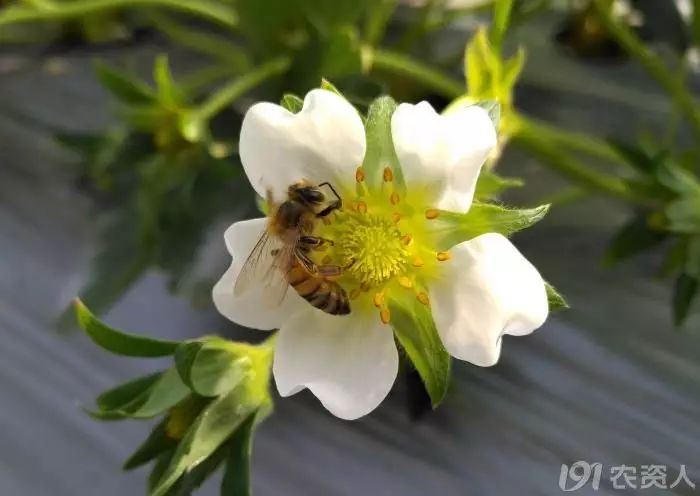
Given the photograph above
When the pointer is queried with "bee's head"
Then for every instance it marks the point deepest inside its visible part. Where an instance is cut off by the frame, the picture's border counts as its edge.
(306, 193)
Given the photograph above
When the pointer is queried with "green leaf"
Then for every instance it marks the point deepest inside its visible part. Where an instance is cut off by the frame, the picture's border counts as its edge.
(416, 332)
(156, 443)
(121, 395)
(491, 184)
(684, 214)
(493, 108)
(213, 366)
(635, 156)
(168, 92)
(328, 86)
(555, 299)
(380, 145)
(678, 179)
(118, 342)
(166, 392)
(127, 89)
(342, 56)
(292, 103)
(452, 228)
(634, 238)
(211, 429)
(236, 481)
(685, 291)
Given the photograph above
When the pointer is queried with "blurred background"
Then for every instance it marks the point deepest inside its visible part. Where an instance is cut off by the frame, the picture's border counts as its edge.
(119, 175)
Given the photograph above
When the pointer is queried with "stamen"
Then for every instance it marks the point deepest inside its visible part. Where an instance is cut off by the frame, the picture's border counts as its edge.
(423, 298)
(432, 213)
(378, 300)
(406, 239)
(396, 217)
(360, 175)
(418, 262)
(362, 207)
(385, 315)
(365, 286)
(394, 199)
(388, 175)
(355, 293)
(443, 256)
(405, 282)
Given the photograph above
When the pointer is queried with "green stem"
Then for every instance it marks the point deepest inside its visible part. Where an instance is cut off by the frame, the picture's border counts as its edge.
(227, 94)
(652, 63)
(411, 68)
(221, 14)
(551, 154)
(571, 140)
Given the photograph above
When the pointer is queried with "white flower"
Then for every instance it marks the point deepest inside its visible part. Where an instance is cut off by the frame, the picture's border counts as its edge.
(478, 291)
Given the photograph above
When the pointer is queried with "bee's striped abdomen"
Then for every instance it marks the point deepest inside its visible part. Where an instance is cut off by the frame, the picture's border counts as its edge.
(325, 295)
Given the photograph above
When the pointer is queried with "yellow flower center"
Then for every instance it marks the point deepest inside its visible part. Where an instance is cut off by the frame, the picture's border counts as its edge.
(383, 243)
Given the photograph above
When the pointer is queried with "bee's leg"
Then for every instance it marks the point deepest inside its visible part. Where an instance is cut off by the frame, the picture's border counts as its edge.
(329, 270)
(313, 268)
(315, 242)
(333, 190)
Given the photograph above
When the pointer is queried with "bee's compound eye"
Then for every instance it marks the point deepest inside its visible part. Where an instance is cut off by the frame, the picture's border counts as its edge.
(312, 195)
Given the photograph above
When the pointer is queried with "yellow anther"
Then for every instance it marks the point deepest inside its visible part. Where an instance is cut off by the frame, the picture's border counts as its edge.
(385, 315)
(388, 175)
(432, 213)
(405, 282)
(406, 239)
(326, 260)
(378, 300)
(359, 175)
(396, 217)
(394, 198)
(355, 293)
(418, 262)
(423, 298)
(443, 255)
(361, 207)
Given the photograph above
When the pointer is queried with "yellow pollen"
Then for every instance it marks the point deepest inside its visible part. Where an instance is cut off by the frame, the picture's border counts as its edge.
(378, 300)
(418, 262)
(394, 199)
(405, 282)
(370, 247)
(385, 315)
(432, 213)
(396, 217)
(443, 256)
(388, 175)
(359, 175)
(423, 298)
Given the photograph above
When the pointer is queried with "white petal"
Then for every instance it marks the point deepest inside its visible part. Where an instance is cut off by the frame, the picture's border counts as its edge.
(325, 141)
(488, 289)
(444, 153)
(250, 309)
(349, 362)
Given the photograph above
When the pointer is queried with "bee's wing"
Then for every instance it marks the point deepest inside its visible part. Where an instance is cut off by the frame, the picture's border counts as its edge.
(268, 263)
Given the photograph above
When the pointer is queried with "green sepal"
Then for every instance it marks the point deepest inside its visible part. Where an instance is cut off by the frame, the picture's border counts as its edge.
(555, 299)
(156, 443)
(117, 397)
(212, 366)
(684, 293)
(292, 103)
(490, 185)
(118, 342)
(125, 88)
(415, 331)
(452, 228)
(380, 145)
(493, 109)
(220, 420)
(236, 480)
(159, 397)
(168, 92)
(328, 86)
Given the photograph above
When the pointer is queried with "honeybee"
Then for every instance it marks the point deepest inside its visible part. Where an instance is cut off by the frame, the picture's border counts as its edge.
(281, 255)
